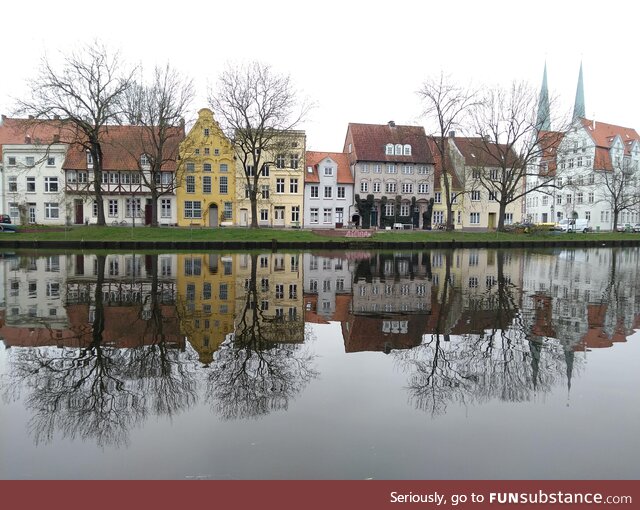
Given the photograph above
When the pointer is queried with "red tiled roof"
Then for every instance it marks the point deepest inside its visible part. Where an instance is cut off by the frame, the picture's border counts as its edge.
(478, 152)
(313, 159)
(603, 135)
(369, 141)
(28, 131)
(121, 148)
(549, 142)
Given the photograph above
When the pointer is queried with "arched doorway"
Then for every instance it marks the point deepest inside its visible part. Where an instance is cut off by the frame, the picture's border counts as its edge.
(213, 215)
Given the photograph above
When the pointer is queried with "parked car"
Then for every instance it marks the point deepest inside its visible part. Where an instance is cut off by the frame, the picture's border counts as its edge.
(636, 227)
(573, 225)
(624, 227)
(6, 225)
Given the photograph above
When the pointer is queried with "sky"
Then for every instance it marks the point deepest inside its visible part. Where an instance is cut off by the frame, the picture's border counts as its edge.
(356, 61)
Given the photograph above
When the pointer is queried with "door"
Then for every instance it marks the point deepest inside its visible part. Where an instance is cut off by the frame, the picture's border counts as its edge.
(492, 221)
(244, 217)
(278, 216)
(79, 216)
(32, 213)
(148, 213)
(213, 215)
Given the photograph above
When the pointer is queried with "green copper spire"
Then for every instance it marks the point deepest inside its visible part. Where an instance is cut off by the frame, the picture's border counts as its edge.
(578, 106)
(543, 122)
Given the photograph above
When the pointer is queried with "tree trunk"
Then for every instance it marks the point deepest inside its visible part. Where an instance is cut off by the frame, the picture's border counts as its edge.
(501, 212)
(254, 208)
(154, 207)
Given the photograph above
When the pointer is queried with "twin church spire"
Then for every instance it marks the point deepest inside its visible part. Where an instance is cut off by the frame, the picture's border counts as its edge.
(543, 120)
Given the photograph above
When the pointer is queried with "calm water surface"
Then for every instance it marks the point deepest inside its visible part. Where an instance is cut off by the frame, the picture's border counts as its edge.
(476, 364)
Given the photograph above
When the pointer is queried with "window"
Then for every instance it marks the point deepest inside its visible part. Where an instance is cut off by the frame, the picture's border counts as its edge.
(339, 214)
(493, 196)
(82, 177)
(559, 200)
(264, 190)
(407, 150)
(31, 184)
(293, 185)
(407, 187)
(14, 212)
(407, 169)
(391, 168)
(314, 215)
(206, 131)
(398, 149)
(144, 160)
(51, 210)
(11, 161)
(388, 149)
(197, 152)
(191, 184)
(13, 184)
(545, 200)
(224, 184)
(279, 291)
(328, 192)
(423, 188)
(165, 208)
(364, 186)
(206, 184)
(390, 187)
(206, 167)
(191, 167)
(475, 196)
(114, 177)
(192, 209)
(264, 172)
(327, 216)
(228, 210)
(51, 161)
(508, 218)
(30, 161)
(341, 192)
(590, 197)
(474, 218)
(294, 160)
(587, 215)
(113, 208)
(133, 207)
(364, 168)
(314, 191)
(280, 185)
(422, 170)
(295, 213)
(569, 198)
(437, 197)
(376, 186)
(264, 214)
(328, 171)
(280, 161)
(377, 168)
(404, 210)
(389, 209)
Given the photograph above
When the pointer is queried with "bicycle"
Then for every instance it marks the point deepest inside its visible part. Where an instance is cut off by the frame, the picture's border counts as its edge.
(117, 223)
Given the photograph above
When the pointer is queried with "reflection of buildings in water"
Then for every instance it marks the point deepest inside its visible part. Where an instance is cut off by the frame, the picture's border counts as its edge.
(270, 310)
(586, 298)
(205, 285)
(327, 286)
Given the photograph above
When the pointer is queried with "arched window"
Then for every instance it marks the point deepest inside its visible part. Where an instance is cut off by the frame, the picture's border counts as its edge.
(398, 149)
(388, 150)
(407, 150)
(144, 160)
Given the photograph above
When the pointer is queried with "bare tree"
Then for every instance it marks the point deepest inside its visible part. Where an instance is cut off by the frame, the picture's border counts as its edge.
(511, 144)
(448, 105)
(159, 108)
(84, 95)
(620, 188)
(256, 106)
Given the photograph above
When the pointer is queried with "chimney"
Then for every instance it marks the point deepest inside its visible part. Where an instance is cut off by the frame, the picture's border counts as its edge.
(452, 134)
(593, 124)
(392, 123)
(2, 119)
(30, 117)
(27, 139)
(56, 117)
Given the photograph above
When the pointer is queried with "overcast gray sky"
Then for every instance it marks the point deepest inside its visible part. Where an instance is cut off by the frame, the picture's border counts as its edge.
(359, 61)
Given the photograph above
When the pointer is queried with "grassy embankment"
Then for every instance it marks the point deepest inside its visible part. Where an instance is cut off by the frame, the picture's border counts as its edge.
(142, 234)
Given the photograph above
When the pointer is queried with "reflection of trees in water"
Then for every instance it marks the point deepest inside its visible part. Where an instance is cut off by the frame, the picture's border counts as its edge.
(263, 365)
(501, 362)
(98, 391)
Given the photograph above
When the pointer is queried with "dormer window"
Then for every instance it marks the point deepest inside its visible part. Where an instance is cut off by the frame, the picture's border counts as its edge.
(388, 150)
(89, 158)
(407, 150)
(144, 160)
(398, 149)
(328, 171)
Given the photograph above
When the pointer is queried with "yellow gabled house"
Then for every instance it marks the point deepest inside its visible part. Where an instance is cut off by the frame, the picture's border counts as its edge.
(207, 179)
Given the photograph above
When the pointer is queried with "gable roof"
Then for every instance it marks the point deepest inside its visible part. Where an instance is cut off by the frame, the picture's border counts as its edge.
(603, 136)
(478, 152)
(313, 160)
(121, 148)
(28, 131)
(369, 141)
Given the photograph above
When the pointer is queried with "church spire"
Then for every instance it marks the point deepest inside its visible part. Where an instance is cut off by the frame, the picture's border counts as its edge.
(543, 122)
(578, 106)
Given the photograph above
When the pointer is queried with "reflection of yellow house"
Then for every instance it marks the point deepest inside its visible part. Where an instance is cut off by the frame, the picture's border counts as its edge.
(281, 190)
(205, 300)
(207, 180)
(278, 298)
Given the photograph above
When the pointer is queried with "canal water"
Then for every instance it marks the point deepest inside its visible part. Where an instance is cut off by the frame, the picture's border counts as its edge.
(463, 364)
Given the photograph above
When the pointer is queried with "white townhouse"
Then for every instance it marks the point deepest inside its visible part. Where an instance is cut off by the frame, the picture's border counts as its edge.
(328, 190)
(588, 161)
(327, 277)
(31, 170)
